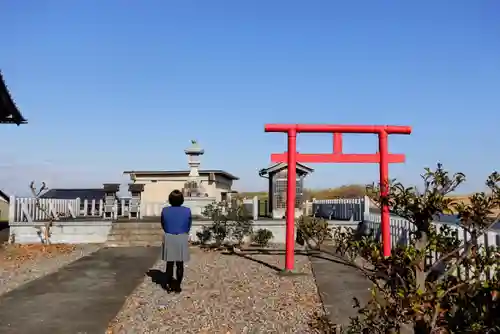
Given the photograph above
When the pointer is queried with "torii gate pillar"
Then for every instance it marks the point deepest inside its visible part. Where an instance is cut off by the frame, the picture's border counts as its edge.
(383, 158)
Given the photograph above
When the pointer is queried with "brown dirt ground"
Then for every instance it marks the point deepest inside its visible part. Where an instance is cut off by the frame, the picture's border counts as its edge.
(15, 255)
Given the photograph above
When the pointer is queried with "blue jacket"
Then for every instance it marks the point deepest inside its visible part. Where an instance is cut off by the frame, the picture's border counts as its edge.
(176, 220)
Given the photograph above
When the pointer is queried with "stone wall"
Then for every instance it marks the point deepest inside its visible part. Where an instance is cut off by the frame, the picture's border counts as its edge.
(71, 232)
(197, 204)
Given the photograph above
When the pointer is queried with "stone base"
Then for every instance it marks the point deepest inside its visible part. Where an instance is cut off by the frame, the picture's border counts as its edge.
(281, 213)
(286, 272)
(197, 204)
(61, 232)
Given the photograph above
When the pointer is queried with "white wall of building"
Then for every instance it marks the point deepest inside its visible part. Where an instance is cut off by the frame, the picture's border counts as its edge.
(157, 188)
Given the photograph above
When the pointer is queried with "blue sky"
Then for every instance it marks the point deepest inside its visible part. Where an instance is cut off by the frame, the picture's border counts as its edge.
(113, 85)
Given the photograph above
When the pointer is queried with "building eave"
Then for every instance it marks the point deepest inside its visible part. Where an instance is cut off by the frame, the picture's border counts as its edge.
(9, 113)
(4, 196)
(281, 165)
(142, 173)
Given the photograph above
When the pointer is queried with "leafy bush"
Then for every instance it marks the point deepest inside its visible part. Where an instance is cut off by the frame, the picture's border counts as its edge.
(205, 235)
(262, 237)
(230, 224)
(457, 293)
(312, 231)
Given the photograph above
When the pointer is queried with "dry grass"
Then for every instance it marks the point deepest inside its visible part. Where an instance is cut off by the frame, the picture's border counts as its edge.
(15, 254)
(465, 199)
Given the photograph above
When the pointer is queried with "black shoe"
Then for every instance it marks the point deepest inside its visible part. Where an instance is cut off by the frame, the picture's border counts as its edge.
(167, 283)
(177, 287)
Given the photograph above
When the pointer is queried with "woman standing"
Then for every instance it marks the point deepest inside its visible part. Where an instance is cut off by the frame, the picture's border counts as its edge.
(176, 222)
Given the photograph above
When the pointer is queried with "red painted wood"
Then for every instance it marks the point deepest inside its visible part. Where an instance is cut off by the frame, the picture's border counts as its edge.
(292, 157)
(338, 158)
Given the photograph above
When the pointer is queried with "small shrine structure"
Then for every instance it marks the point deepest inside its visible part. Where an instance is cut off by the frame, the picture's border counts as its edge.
(277, 185)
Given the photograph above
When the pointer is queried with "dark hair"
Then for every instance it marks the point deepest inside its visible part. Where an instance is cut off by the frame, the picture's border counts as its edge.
(176, 198)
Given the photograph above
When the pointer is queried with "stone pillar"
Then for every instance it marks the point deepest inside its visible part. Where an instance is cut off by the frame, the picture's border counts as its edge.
(255, 208)
(110, 200)
(134, 208)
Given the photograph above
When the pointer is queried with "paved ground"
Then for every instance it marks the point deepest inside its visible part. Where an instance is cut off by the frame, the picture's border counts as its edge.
(337, 285)
(82, 297)
(85, 296)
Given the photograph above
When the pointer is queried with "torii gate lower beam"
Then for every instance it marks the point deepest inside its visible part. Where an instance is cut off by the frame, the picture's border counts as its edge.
(383, 158)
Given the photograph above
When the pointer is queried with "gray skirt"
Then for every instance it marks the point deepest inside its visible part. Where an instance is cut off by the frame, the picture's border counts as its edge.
(175, 247)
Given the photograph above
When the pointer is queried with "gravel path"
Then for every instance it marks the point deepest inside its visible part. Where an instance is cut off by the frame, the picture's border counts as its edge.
(224, 294)
(14, 274)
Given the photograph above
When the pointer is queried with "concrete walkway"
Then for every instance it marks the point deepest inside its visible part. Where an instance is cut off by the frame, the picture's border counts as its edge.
(338, 284)
(82, 297)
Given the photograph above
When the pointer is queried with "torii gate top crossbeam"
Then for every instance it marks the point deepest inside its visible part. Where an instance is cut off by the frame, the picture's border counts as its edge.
(318, 128)
(337, 156)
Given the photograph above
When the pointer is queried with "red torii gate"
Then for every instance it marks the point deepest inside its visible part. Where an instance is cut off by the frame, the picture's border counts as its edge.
(383, 158)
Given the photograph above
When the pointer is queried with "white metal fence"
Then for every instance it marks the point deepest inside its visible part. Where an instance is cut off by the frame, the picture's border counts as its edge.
(339, 208)
(29, 209)
(401, 230)
(26, 209)
(401, 234)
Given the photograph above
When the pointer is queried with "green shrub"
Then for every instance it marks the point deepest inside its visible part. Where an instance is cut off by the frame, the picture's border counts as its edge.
(312, 231)
(205, 235)
(262, 237)
(459, 292)
(230, 223)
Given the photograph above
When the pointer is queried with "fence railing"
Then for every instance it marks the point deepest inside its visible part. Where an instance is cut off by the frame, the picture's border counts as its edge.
(339, 208)
(401, 234)
(25, 209)
(401, 230)
(29, 209)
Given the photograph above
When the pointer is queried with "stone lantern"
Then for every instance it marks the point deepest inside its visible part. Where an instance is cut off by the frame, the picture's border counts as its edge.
(193, 188)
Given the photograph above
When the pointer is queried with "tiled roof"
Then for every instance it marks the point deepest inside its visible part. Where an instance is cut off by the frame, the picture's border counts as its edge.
(282, 165)
(89, 194)
(182, 172)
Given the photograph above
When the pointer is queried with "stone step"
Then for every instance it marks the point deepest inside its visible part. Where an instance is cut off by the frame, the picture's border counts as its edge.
(135, 237)
(137, 225)
(133, 243)
(134, 232)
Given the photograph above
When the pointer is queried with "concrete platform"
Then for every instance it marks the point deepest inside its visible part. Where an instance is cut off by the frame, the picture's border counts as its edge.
(82, 297)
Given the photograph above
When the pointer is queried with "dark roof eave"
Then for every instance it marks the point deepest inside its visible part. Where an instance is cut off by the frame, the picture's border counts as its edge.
(9, 113)
(274, 168)
(182, 172)
(4, 196)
